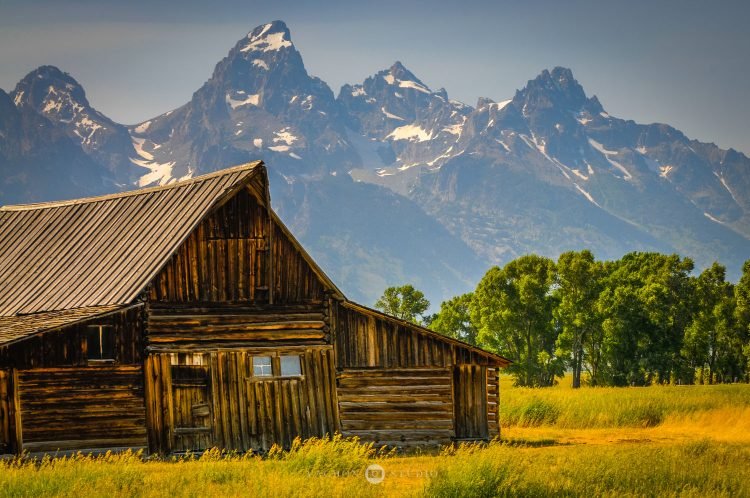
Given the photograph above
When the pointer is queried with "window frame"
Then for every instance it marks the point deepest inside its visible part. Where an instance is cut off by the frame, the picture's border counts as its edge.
(275, 367)
(269, 365)
(299, 366)
(102, 327)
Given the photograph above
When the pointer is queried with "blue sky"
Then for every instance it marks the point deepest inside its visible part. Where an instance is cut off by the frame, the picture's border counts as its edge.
(681, 62)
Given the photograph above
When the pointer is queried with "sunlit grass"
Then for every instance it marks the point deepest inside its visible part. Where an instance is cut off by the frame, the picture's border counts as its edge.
(656, 441)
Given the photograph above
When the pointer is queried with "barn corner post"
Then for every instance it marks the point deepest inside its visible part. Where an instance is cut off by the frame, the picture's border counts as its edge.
(16, 414)
(10, 441)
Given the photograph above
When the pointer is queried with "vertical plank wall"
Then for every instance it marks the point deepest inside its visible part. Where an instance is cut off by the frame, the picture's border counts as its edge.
(5, 410)
(246, 412)
(226, 260)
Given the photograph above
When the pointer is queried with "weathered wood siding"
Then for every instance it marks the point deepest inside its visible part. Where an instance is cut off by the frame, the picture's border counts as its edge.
(196, 328)
(244, 412)
(6, 403)
(383, 362)
(404, 406)
(67, 346)
(493, 401)
(470, 401)
(364, 340)
(71, 408)
(237, 255)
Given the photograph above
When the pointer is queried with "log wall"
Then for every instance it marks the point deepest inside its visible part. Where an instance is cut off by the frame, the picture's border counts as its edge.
(73, 408)
(67, 346)
(406, 406)
(393, 357)
(238, 255)
(243, 412)
(196, 328)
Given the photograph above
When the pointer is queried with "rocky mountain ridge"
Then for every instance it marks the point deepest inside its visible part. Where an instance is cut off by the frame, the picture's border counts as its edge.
(391, 181)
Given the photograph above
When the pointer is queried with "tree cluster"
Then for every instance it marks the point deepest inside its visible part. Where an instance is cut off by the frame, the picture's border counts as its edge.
(643, 319)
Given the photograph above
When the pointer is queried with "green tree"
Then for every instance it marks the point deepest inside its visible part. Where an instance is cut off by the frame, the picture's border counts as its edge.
(710, 341)
(512, 307)
(404, 302)
(454, 319)
(742, 315)
(646, 305)
(578, 287)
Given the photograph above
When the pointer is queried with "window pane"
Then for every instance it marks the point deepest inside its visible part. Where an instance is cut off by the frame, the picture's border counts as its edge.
(93, 345)
(262, 366)
(290, 365)
(100, 342)
(108, 342)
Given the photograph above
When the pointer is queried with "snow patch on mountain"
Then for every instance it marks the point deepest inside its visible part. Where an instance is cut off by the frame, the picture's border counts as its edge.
(607, 153)
(159, 173)
(261, 64)
(248, 100)
(587, 195)
(266, 43)
(284, 136)
(412, 132)
(499, 106)
(143, 127)
(391, 116)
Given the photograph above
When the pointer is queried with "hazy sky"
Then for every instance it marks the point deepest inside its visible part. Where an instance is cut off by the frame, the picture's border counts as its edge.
(682, 62)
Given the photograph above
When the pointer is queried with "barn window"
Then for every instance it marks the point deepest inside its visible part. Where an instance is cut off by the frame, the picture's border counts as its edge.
(262, 366)
(290, 366)
(100, 342)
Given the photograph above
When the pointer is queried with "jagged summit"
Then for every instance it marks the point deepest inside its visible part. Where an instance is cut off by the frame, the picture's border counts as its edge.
(44, 82)
(58, 97)
(269, 37)
(556, 88)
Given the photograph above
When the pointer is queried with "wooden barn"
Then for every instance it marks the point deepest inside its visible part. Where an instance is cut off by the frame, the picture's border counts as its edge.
(186, 316)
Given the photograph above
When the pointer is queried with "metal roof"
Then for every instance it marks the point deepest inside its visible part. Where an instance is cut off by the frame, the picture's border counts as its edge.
(14, 328)
(101, 250)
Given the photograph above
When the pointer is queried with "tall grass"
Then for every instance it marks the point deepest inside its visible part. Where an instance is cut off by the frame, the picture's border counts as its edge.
(316, 467)
(336, 466)
(699, 469)
(604, 407)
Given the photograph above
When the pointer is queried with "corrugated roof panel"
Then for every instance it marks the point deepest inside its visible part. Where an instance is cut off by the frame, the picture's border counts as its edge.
(103, 250)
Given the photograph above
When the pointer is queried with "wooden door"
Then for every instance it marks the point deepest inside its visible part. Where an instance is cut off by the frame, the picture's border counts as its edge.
(470, 401)
(191, 402)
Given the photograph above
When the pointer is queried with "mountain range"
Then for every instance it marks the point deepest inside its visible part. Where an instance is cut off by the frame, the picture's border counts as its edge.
(391, 181)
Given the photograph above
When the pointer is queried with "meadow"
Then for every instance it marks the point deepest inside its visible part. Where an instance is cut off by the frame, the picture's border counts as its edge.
(648, 441)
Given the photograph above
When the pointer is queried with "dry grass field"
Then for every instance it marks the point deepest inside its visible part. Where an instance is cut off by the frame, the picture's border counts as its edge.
(653, 441)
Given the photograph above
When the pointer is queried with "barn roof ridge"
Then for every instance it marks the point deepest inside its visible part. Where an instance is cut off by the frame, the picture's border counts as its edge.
(135, 192)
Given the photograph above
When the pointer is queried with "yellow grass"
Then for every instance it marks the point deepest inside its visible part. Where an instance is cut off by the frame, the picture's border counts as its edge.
(654, 441)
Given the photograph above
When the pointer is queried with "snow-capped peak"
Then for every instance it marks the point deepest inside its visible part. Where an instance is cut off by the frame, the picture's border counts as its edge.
(270, 37)
(401, 77)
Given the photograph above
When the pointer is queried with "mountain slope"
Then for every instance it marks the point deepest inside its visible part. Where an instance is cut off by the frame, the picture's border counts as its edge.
(39, 162)
(391, 181)
(61, 99)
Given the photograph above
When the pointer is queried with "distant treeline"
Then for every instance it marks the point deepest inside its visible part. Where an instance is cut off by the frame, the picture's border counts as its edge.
(639, 320)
